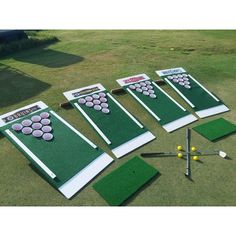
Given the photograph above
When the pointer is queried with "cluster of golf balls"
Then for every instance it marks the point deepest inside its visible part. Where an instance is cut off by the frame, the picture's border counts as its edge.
(145, 88)
(96, 101)
(181, 79)
(38, 125)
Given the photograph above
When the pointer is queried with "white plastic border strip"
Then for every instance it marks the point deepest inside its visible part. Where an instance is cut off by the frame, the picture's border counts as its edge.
(179, 92)
(172, 99)
(93, 124)
(214, 97)
(170, 71)
(78, 181)
(122, 82)
(73, 129)
(69, 94)
(133, 144)
(35, 158)
(147, 108)
(42, 106)
(123, 109)
(174, 125)
(212, 111)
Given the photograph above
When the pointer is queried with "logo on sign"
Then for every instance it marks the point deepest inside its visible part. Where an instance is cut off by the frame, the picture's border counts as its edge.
(21, 113)
(171, 71)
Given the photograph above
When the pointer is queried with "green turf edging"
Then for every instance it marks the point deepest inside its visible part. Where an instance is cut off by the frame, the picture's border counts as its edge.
(215, 129)
(124, 181)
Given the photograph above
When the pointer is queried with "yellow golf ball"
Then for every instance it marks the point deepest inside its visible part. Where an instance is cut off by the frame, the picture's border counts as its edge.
(180, 155)
(195, 158)
(193, 149)
(180, 148)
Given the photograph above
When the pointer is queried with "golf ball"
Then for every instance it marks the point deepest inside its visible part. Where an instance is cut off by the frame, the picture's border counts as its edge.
(180, 155)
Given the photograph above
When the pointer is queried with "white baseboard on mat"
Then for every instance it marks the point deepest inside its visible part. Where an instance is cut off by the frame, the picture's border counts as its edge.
(133, 144)
(78, 181)
(174, 125)
(212, 111)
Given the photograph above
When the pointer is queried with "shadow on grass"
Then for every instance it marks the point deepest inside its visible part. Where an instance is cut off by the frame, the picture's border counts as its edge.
(48, 58)
(16, 86)
(189, 178)
(34, 168)
(223, 137)
(199, 161)
(131, 198)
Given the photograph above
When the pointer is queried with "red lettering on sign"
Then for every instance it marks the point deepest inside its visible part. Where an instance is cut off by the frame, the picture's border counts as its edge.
(133, 79)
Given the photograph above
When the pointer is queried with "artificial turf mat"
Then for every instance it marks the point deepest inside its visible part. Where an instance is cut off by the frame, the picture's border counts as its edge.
(163, 106)
(200, 98)
(118, 130)
(66, 156)
(117, 127)
(120, 184)
(215, 129)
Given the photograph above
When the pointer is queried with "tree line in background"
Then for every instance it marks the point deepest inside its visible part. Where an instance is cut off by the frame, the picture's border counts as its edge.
(32, 39)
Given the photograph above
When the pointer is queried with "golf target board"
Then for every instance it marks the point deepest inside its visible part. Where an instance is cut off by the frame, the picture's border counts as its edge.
(117, 127)
(61, 154)
(195, 94)
(168, 112)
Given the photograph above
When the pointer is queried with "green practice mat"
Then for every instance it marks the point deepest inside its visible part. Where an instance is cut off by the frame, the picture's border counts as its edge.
(215, 129)
(68, 161)
(203, 102)
(120, 184)
(168, 112)
(118, 128)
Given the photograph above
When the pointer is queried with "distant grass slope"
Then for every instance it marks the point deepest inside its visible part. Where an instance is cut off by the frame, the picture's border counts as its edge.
(108, 55)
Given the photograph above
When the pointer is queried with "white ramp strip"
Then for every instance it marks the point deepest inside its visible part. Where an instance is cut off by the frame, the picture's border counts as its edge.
(179, 92)
(204, 88)
(93, 124)
(212, 111)
(172, 99)
(35, 158)
(79, 180)
(75, 130)
(149, 110)
(127, 113)
(174, 125)
(133, 144)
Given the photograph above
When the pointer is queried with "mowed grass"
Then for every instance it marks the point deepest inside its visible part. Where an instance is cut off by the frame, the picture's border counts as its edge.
(86, 57)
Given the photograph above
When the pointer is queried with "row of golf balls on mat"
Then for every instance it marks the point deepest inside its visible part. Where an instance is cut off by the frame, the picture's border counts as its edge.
(37, 125)
(181, 79)
(145, 88)
(97, 101)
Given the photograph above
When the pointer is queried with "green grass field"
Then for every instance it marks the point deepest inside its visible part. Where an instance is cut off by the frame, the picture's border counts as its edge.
(85, 57)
